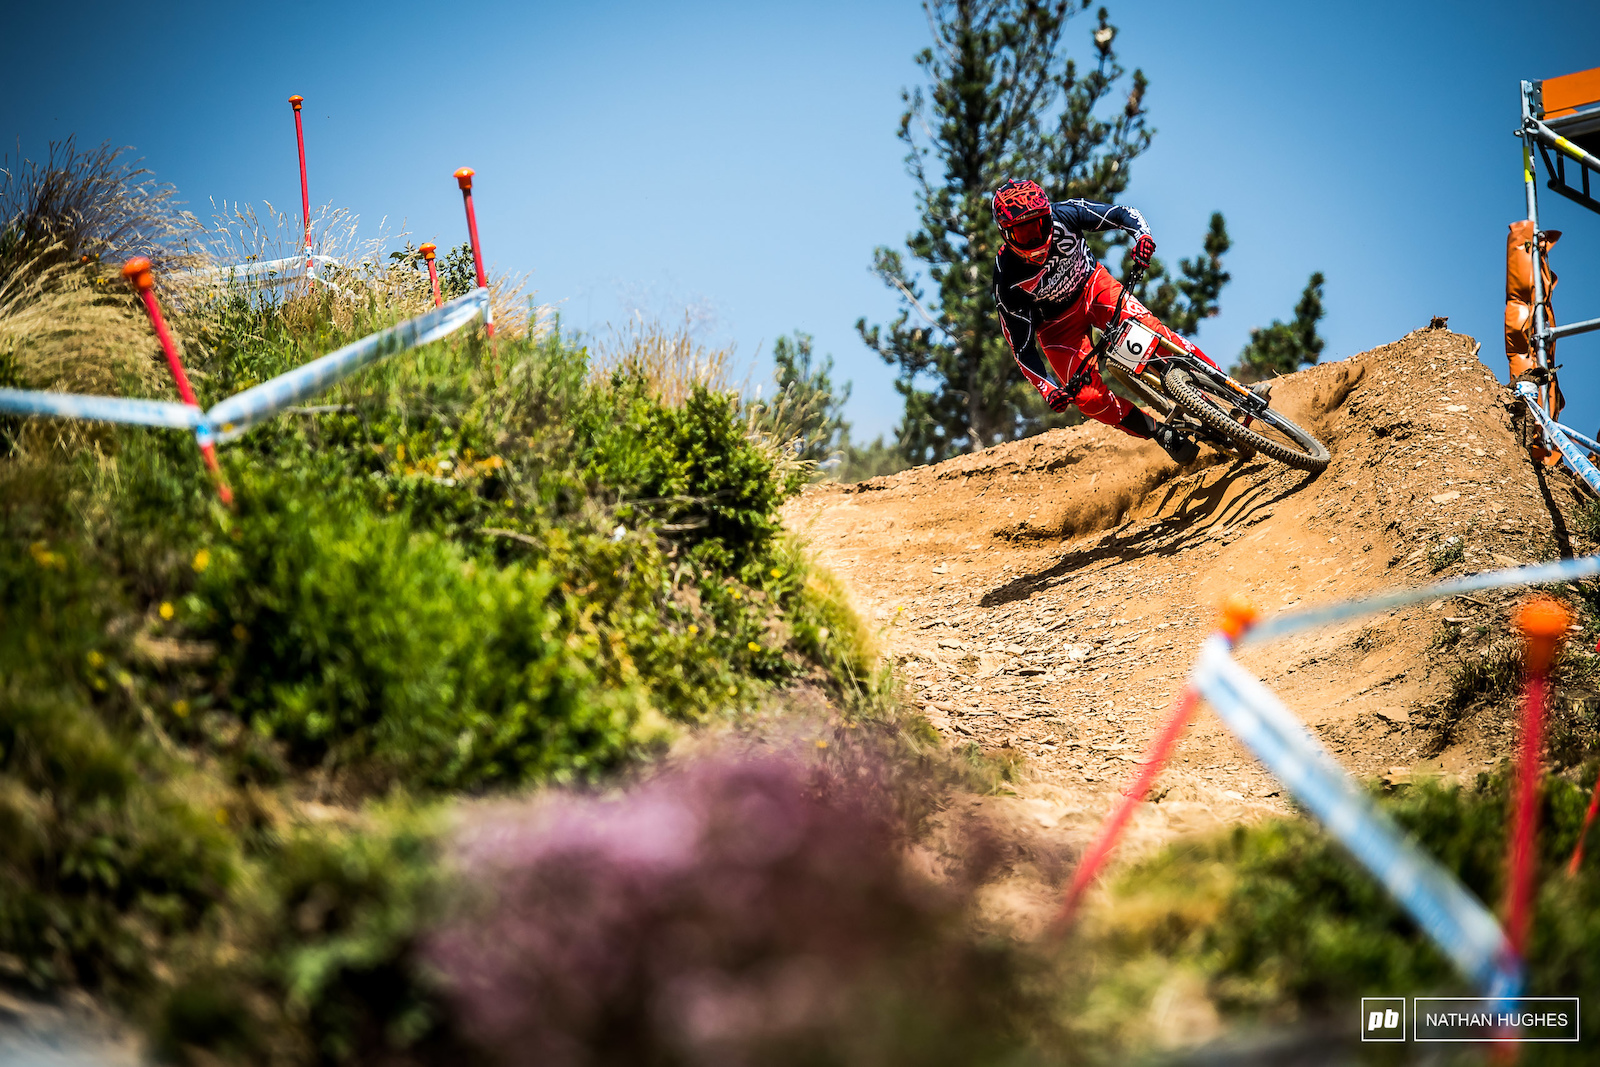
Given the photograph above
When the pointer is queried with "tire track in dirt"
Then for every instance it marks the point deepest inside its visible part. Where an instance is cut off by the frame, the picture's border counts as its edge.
(1047, 596)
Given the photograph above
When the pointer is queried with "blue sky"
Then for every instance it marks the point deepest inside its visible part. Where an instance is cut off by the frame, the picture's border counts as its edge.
(740, 159)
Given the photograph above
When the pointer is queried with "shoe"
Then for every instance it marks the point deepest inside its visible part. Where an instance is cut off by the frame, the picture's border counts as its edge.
(1176, 444)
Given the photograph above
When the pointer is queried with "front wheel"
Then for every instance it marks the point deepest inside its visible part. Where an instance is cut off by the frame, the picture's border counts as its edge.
(1268, 432)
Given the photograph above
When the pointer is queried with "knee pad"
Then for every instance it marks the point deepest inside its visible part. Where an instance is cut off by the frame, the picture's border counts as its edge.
(1092, 399)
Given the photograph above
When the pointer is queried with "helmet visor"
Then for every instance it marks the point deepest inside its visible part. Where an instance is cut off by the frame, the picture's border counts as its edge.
(1030, 234)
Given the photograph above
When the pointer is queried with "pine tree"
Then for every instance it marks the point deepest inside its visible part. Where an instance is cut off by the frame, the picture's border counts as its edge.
(1284, 347)
(1003, 100)
(808, 408)
(1182, 305)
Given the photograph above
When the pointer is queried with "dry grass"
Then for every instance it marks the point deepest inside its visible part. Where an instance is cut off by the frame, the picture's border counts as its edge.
(367, 278)
(66, 321)
(671, 363)
(95, 205)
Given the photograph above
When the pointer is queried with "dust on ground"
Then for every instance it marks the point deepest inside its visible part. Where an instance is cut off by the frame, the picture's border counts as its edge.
(1047, 596)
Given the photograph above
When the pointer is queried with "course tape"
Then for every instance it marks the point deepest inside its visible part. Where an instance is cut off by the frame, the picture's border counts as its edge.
(1583, 439)
(103, 408)
(262, 269)
(243, 410)
(1447, 912)
(1554, 433)
(1564, 570)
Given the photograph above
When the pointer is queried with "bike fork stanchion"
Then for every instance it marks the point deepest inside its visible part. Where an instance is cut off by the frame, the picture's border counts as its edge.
(137, 272)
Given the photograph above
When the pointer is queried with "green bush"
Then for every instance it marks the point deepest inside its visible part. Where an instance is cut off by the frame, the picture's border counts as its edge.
(1283, 919)
(351, 638)
(105, 850)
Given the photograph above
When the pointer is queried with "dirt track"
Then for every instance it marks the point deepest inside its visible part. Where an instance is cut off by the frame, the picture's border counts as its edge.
(1048, 595)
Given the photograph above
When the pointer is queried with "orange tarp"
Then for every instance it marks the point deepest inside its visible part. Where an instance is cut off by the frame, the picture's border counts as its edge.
(1566, 94)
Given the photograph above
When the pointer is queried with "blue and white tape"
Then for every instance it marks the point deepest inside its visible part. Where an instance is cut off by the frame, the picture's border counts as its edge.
(233, 416)
(1583, 439)
(1563, 570)
(101, 408)
(268, 272)
(1447, 912)
(1555, 433)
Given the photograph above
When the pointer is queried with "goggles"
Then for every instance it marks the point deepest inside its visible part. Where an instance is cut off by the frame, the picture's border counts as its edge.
(1029, 234)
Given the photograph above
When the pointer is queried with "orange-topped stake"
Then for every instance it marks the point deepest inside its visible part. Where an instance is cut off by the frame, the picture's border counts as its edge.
(1237, 615)
(305, 188)
(1544, 622)
(137, 272)
(139, 275)
(464, 179)
(428, 251)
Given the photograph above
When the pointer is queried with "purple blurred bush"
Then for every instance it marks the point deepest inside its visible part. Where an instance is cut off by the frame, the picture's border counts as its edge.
(731, 911)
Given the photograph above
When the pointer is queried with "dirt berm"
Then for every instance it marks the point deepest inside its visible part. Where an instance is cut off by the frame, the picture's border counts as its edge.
(1047, 596)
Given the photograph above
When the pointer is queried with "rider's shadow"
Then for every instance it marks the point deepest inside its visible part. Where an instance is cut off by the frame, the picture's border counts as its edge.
(1179, 531)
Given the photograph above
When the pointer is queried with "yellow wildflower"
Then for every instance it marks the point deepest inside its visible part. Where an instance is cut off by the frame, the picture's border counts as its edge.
(776, 573)
(180, 708)
(202, 560)
(821, 743)
(753, 647)
(96, 660)
(693, 629)
(166, 609)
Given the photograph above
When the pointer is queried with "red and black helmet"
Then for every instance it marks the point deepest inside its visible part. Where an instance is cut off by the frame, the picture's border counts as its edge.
(1022, 212)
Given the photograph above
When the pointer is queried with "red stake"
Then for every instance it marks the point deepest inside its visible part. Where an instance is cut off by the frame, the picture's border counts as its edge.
(1588, 821)
(464, 179)
(428, 251)
(137, 272)
(1543, 623)
(1238, 615)
(305, 191)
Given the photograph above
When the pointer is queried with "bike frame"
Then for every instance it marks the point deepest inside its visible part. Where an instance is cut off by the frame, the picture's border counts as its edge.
(1244, 399)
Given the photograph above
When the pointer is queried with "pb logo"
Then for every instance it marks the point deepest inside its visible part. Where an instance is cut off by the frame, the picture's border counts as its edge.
(1383, 1018)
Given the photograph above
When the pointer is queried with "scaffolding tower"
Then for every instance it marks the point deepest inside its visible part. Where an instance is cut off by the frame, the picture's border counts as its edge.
(1561, 122)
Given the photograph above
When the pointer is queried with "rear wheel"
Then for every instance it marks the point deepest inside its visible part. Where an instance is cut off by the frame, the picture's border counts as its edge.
(1268, 432)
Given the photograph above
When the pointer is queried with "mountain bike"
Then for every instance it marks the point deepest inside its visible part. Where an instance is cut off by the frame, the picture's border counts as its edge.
(1196, 398)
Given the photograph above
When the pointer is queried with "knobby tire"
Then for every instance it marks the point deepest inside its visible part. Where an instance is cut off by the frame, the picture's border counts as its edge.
(1310, 456)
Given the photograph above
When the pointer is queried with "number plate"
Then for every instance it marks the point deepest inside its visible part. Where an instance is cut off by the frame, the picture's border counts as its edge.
(1134, 350)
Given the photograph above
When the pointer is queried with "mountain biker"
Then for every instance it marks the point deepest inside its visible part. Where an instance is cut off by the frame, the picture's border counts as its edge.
(1050, 290)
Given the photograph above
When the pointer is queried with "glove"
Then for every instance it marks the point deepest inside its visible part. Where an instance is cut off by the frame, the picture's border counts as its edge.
(1143, 249)
(1056, 398)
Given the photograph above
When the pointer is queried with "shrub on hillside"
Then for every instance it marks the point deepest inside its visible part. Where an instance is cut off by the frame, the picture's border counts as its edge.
(732, 910)
(104, 851)
(1285, 921)
(355, 640)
